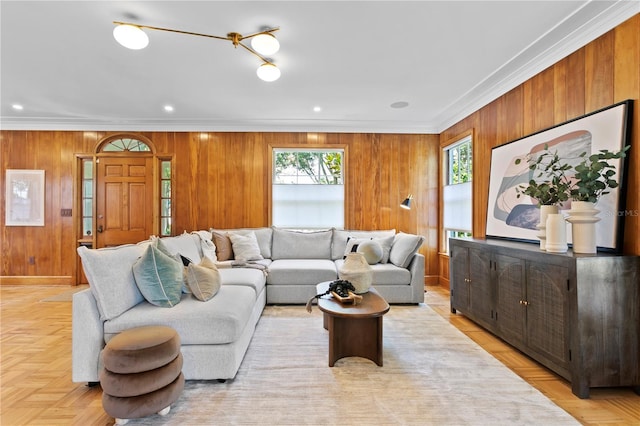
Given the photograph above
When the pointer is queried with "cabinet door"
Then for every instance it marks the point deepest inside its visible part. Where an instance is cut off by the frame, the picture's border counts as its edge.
(459, 278)
(481, 287)
(547, 296)
(510, 298)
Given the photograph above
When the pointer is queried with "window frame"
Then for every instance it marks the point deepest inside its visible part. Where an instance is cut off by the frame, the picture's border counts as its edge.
(272, 148)
(451, 144)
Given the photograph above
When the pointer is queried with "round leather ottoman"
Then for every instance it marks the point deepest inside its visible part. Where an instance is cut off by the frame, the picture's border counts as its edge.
(142, 372)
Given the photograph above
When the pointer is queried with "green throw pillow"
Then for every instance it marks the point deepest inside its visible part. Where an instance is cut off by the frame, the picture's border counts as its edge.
(159, 277)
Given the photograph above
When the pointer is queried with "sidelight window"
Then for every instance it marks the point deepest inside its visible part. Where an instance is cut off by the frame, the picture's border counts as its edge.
(457, 205)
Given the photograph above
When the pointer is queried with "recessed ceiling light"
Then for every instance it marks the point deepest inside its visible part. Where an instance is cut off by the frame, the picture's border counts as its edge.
(400, 104)
(17, 107)
(168, 108)
(317, 108)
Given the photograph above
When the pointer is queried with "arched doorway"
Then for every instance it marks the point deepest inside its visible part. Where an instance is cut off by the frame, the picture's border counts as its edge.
(124, 191)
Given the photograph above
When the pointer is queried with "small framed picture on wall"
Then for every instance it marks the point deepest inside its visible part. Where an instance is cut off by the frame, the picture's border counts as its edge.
(24, 198)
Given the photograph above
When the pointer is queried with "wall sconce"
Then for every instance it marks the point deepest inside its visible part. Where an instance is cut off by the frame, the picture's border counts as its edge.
(406, 204)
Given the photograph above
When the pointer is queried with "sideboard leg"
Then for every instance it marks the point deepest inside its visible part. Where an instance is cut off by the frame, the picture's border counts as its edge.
(580, 389)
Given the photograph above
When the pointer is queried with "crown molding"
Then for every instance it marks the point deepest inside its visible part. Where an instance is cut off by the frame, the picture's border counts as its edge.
(225, 125)
(591, 21)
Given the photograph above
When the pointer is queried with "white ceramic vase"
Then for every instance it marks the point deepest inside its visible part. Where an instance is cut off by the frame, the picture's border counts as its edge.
(545, 210)
(556, 233)
(582, 217)
(357, 271)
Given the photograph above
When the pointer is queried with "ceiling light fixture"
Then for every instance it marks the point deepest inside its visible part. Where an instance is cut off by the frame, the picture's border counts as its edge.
(263, 42)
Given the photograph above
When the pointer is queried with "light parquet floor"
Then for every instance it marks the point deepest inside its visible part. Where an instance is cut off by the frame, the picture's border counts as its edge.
(35, 366)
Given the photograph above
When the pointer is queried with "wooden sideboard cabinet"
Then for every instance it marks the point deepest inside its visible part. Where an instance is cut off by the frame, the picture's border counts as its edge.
(578, 315)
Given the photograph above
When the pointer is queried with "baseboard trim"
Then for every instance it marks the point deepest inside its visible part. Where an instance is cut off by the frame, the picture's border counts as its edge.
(431, 280)
(36, 280)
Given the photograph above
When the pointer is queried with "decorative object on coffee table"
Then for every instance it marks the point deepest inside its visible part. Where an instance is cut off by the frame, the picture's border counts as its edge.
(142, 373)
(357, 271)
(354, 330)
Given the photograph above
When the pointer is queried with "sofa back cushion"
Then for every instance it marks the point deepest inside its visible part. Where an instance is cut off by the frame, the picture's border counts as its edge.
(188, 245)
(340, 236)
(289, 244)
(110, 274)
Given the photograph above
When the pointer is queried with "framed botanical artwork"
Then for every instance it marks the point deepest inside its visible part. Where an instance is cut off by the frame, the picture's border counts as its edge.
(24, 198)
(513, 217)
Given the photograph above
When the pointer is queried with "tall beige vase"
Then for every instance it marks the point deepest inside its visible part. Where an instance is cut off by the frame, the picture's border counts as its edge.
(545, 210)
(582, 217)
(556, 233)
(357, 271)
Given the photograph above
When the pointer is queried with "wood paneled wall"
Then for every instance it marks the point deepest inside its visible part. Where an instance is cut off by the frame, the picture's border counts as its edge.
(221, 180)
(600, 74)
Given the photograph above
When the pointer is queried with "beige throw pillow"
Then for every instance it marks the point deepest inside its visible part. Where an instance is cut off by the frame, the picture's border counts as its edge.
(203, 279)
(224, 251)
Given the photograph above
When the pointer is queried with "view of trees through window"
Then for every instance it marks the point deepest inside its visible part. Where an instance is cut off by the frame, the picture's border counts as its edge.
(460, 162)
(308, 167)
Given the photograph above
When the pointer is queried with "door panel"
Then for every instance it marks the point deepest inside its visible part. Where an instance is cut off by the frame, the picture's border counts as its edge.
(124, 196)
(511, 295)
(480, 289)
(459, 273)
(547, 311)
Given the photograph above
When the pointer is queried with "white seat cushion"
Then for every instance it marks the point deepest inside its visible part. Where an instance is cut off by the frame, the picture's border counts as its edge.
(301, 271)
(219, 320)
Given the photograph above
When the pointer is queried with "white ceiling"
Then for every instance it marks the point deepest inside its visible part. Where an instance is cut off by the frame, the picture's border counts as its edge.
(352, 58)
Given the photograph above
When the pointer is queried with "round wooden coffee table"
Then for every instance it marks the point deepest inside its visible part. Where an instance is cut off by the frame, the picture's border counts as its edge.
(354, 330)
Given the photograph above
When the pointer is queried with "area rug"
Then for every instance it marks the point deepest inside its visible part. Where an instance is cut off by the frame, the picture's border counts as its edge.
(432, 375)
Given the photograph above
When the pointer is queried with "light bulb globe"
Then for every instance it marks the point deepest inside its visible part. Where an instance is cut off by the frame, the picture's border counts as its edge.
(131, 37)
(268, 72)
(265, 44)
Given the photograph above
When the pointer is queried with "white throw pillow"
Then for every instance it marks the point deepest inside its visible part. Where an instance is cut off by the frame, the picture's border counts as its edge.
(403, 248)
(371, 250)
(245, 246)
(385, 243)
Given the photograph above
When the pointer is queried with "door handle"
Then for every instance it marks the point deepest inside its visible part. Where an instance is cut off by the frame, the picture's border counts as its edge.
(100, 228)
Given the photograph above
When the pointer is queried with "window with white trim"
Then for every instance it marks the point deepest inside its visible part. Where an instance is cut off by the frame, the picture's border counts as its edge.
(457, 200)
(308, 188)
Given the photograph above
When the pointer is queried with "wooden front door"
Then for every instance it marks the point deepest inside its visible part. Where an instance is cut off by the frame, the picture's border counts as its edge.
(124, 196)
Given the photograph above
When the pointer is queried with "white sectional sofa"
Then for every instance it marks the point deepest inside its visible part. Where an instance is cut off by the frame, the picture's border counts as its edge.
(282, 267)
